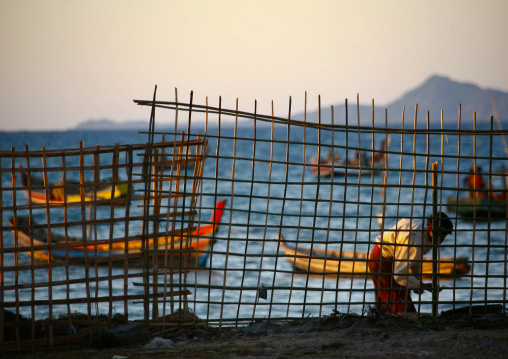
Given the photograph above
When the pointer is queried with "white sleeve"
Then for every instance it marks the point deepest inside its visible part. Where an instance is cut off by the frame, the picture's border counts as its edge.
(404, 258)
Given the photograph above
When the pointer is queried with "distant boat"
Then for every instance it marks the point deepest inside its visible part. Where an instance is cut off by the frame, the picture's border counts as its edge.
(480, 209)
(360, 163)
(346, 263)
(57, 195)
(324, 167)
(71, 248)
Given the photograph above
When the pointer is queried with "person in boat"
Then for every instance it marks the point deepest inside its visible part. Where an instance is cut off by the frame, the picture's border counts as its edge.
(395, 262)
(380, 154)
(332, 156)
(359, 159)
(475, 181)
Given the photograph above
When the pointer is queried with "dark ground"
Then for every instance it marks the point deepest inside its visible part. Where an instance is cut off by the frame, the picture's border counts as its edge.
(454, 334)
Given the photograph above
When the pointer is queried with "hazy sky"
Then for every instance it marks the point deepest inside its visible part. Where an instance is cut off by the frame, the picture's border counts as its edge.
(67, 61)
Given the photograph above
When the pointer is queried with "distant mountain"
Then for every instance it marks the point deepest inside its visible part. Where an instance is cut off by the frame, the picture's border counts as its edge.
(440, 93)
(105, 124)
(435, 94)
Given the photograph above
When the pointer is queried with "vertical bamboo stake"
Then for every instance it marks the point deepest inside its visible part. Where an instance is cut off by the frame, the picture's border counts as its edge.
(400, 162)
(2, 319)
(435, 223)
(30, 223)
(288, 136)
(115, 179)
(16, 255)
(267, 211)
(145, 235)
(249, 211)
(489, 202)
(457, 192)
(147, 178)
(213, 232)
(359, 136)
(50, 269)
(301, 198)
(190, 218)
(316, 203)
(360, 166)
(216, 176)
(427, 184)
(92, 209)
(343, 203)
(413, 181)
(130, 188)
(329, 207)
(84, 232)
(473, 247)
(233, 166)
(67, 273)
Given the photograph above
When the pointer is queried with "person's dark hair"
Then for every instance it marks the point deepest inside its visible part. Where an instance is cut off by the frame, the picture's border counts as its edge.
(445, 226)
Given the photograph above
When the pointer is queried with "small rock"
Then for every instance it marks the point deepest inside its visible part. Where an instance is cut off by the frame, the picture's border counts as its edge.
(159, 342)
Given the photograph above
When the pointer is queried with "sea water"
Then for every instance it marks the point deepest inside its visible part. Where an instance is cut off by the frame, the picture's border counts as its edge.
(300, 207)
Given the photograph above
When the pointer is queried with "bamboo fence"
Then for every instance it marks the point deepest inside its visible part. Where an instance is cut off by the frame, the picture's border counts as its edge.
(296, 233)
(86, 222)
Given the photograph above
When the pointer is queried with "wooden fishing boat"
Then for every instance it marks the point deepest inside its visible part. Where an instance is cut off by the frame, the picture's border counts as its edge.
(194, 245)
(162, 241)
(324, 167)
(36, 192)
(360, 163)
(321, 261)
(480, 209)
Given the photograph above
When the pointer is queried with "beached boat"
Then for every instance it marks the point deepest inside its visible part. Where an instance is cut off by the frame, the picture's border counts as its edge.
(72, 248)
(35, 190)
(480, 209)
(321, 261)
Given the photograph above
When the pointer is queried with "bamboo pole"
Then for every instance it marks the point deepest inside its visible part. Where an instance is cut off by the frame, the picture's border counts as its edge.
(505, 145)
(48, 221)
(345, 199)
(435, 244)
(301, 197)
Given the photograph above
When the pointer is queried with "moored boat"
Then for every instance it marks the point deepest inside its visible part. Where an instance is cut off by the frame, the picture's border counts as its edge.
(348, 263)
(325, 167)
(359, 163)
(62, 248)
(479, 209)
(35, 190)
